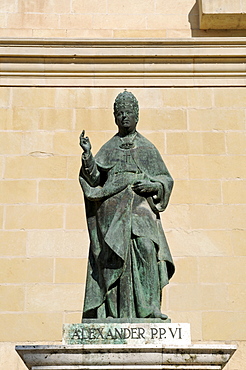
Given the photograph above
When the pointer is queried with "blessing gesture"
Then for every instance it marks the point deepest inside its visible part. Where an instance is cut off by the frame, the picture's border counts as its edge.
(84, 142)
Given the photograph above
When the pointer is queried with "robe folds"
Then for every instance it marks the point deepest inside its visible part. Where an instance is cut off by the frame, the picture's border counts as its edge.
(129, 258)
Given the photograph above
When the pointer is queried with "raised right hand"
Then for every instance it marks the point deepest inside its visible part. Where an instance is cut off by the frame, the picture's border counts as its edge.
(84, 142)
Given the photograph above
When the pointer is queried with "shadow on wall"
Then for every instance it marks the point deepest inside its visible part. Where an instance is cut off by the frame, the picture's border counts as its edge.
(193, 18)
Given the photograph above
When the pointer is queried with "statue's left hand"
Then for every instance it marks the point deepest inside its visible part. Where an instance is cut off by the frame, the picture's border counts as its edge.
(142, 187)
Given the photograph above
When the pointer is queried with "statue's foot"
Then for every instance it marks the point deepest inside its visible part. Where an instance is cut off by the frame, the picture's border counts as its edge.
(159, 315)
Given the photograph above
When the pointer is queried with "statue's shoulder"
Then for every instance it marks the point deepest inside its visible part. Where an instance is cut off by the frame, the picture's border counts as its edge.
(104, 153)
(142, 141)
(111, 143)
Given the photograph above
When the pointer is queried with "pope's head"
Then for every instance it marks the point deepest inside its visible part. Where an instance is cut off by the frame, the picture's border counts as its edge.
(126, 112)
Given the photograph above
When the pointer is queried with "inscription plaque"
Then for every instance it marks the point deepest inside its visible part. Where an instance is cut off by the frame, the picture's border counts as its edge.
(125, 333)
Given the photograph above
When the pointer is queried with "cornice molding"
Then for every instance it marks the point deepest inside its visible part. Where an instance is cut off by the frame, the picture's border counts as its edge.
(123, 62)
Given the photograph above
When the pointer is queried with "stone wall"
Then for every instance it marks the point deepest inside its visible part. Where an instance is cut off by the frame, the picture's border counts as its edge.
(196, 119)
(200, 132)
(104, 18)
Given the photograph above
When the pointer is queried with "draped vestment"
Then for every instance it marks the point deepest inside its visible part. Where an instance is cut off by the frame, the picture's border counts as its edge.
(129, 258)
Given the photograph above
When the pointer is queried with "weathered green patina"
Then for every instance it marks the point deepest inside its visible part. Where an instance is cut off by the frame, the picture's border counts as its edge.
(126, 185)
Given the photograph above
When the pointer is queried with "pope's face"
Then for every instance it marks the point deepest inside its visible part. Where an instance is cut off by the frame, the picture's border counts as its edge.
(126, 120)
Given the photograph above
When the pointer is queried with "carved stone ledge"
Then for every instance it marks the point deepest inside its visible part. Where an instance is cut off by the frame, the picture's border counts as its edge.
(121, 63)
(117, 357)
(226, 14)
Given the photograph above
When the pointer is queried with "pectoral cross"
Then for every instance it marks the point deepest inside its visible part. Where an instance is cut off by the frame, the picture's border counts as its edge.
(127, 156)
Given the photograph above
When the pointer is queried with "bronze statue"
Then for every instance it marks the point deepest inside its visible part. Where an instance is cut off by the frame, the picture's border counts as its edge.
(125, 187)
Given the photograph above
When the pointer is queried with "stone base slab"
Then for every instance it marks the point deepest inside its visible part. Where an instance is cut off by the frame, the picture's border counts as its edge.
(133, 320)
(125, 357)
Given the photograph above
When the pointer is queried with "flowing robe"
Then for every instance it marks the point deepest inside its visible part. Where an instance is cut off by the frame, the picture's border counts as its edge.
(129, 258)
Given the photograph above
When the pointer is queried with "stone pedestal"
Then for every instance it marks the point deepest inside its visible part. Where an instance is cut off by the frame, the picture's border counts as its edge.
(134, 345)
(126, 357)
